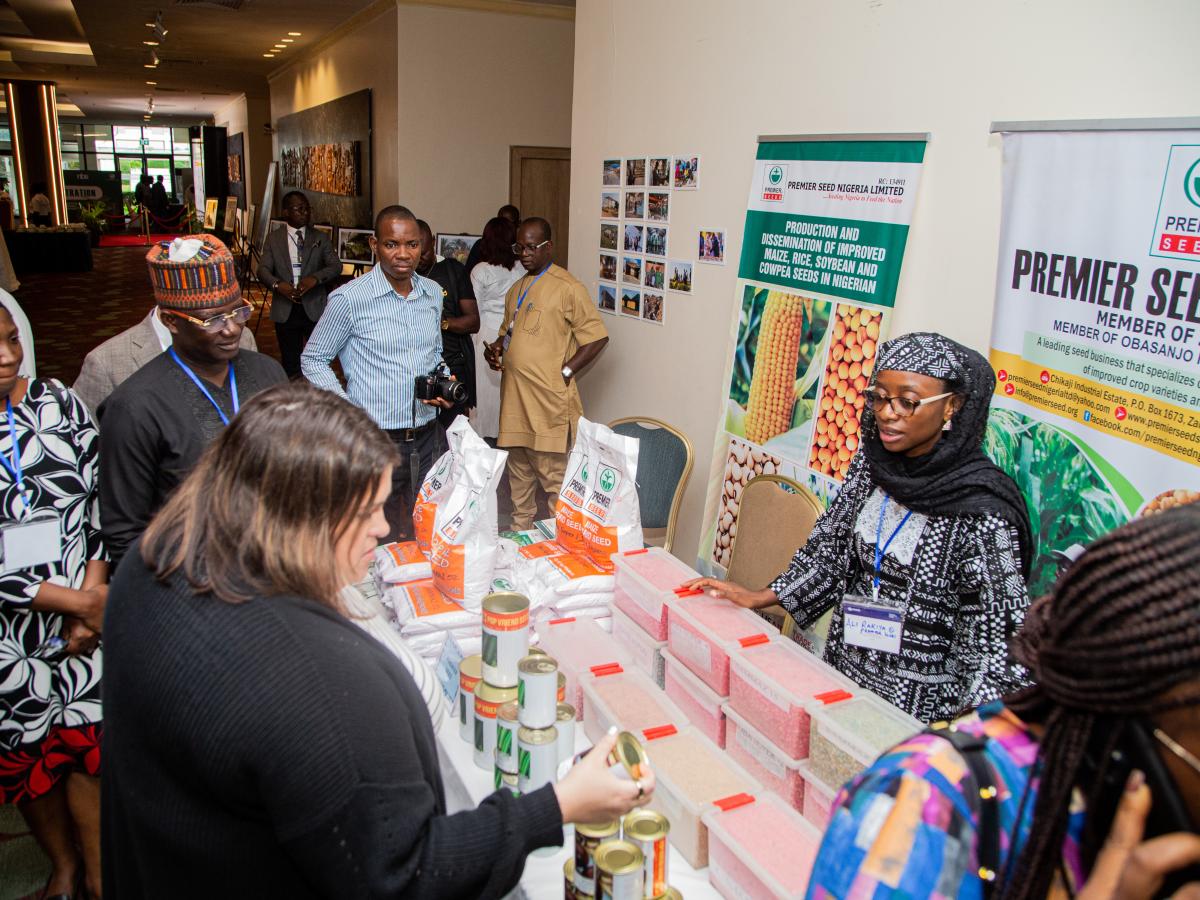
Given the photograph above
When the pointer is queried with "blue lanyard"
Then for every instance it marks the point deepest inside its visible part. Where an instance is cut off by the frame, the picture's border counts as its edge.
(195, 380)
(882, 549)
(13, 467)
(524, 293)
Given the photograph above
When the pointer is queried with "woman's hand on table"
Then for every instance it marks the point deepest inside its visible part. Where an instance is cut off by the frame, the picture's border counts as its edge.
(1130, 868)
(734, 593)
(591, 793)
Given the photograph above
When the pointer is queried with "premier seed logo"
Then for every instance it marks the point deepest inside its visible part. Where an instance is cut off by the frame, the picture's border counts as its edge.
(608, 480)
(1177, 225)
(773, 179)
(1191, 184)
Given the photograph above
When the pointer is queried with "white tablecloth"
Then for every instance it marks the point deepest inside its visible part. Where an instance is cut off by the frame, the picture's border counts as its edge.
(466, 785)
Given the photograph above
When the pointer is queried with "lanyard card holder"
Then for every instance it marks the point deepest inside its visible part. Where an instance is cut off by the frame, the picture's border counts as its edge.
(35, 541)
(872, 624)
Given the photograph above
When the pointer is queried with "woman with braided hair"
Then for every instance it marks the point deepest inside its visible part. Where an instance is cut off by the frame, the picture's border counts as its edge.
(1104, 744)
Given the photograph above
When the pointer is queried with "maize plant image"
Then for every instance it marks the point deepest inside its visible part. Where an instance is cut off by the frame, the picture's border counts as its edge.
(854, 340)
(776, 367)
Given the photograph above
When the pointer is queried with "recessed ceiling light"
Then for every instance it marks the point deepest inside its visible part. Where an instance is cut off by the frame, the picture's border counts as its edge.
(149, 65)
(288, 41)
(151, 82)
(150, 43)
(269, 55)
(149, 24)
(281, 46)
(294, 34)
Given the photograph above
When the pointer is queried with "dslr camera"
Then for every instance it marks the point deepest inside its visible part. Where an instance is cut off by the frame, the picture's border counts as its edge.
(439, 385)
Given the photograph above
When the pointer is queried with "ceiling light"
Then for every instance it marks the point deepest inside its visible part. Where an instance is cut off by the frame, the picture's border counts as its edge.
(288, 41)
(152, 82)
(281, 46)
(153, 63)
(294, 34)
(150, 43)
(269, 55)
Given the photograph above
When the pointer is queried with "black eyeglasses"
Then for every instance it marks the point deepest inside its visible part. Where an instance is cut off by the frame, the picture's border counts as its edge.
(900, 406)
(519, 249)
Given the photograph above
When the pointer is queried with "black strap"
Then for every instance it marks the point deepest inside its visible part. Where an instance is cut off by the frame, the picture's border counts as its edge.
(982, 786)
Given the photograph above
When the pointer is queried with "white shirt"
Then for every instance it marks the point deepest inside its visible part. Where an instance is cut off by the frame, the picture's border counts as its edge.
(160, 330)
(295, 244)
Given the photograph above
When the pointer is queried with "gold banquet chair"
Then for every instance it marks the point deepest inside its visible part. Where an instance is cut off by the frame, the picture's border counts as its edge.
(775, 517)
(664, 465)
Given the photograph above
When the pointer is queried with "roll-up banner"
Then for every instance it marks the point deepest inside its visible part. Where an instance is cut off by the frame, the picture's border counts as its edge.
(826, 225)
(1096, 330)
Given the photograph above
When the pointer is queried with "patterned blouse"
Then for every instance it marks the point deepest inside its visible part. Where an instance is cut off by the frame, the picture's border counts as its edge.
(956, 579)
(904, 828)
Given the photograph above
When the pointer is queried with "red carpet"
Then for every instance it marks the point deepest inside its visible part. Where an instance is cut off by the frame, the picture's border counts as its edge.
(134, 240)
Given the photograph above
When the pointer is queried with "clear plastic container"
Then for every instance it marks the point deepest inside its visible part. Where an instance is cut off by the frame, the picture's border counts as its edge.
(762, 759)
(642, 650)
(695, 698)
(579, 645)
(818, 798)
(774, 685)
(627, 699)
(644, 581)
(691, 773)
(760, 850)
(703, 631)
(848, 736)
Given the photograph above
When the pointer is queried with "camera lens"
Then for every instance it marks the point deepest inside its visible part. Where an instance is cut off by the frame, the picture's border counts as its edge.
(454, 391)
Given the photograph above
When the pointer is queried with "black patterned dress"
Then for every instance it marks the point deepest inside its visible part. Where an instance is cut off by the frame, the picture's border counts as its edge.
(49, 703)
(957, 579)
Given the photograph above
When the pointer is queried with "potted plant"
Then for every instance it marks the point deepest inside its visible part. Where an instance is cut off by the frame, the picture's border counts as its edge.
(92, 216)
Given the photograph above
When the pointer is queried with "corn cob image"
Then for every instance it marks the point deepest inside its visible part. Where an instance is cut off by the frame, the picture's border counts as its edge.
(773, 386)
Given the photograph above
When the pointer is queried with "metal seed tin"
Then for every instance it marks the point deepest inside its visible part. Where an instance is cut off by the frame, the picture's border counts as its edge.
(587, 838)
(562, 687)
(620, 872)
(648, 830)
(630, 757)
(536, 651)
(565, 725)
(505, 637)
(669, 894)
(536, 686)
(569, 880)
(537, 758)
(506, 737)
(488, 700)
(504, 779)
(469, 674)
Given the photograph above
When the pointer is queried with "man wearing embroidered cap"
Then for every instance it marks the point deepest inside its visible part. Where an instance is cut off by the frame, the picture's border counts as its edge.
(159, 421)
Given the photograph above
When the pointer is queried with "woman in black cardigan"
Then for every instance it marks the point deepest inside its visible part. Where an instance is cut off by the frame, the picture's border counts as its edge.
(257, 743)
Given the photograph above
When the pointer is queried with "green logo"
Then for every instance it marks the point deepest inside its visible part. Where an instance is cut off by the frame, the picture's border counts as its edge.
(775, 175)
(521, 693)
(583, 472)
(489, 649)
(524, 763)
(1191, 184)
(499, 778)
(504, 740)
(478, 735)
(607, 479)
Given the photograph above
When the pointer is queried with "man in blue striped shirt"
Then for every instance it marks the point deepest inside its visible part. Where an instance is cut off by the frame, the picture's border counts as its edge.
(385, 328)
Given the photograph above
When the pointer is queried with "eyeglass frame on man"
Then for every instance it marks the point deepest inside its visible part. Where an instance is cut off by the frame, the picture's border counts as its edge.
(215, 323)
(908, 408)
(519, 249)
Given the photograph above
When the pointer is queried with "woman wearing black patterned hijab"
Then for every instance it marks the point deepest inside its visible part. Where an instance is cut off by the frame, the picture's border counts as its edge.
(923, 555)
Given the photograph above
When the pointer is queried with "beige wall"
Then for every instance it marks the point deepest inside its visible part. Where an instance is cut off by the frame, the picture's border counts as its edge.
(458, 69)
(247, 115)
(708, 76)
(363, 58)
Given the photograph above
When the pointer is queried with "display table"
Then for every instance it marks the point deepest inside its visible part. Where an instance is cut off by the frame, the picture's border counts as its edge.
(466, 785)
(49, 251)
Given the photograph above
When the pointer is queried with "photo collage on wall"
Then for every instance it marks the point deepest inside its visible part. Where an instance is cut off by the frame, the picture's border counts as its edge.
(637, 270)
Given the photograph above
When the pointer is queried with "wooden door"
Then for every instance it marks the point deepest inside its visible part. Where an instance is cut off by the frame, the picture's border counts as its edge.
(539, 184)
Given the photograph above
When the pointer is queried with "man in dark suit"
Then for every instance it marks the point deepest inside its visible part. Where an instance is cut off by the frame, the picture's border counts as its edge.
(298, 262)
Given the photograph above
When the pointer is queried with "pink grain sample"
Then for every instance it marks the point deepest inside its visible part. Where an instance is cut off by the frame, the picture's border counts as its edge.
(577, 645)
(774, 684)
(698, 702)
(628, 700)
(702, 631)
(765, 850)
(762, 759)
(818, 799)
(643, 582)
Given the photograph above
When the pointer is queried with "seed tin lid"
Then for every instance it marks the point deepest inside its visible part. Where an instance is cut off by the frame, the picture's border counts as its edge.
(489, 693)
(669, 894)
(534, 737)
(646, 825)
(630, 754)
(619, 857)
(471, 667)
(598, 829)
(566, 712)
(505, 603)
(537, 665)
(509, 711)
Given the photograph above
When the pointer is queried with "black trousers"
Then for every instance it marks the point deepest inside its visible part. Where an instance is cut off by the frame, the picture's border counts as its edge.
(292, 336)
(417, 456)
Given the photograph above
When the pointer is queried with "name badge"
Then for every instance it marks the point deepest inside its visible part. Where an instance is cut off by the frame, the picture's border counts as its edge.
(871, 625)
(34, 542)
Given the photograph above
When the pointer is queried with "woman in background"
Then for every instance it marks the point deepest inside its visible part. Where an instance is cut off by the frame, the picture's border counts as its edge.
(258, 743)
(51, 605)
(925, 528)
(491, 278)
(1115, 655)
